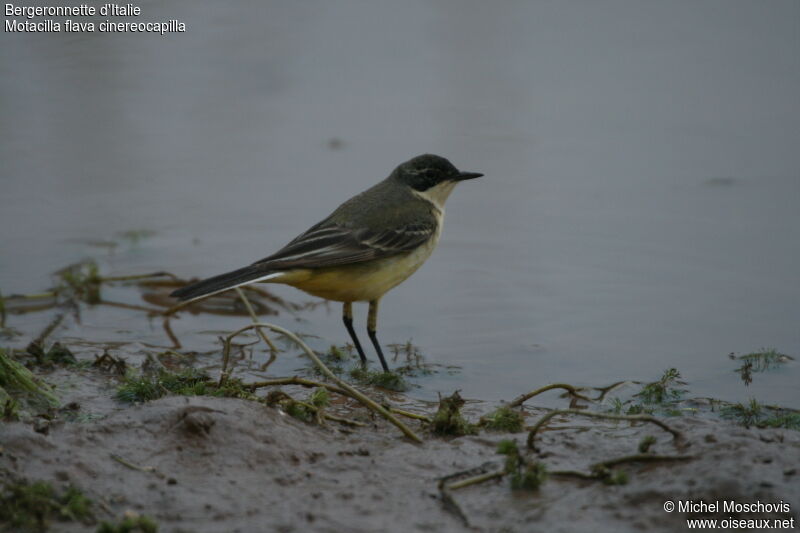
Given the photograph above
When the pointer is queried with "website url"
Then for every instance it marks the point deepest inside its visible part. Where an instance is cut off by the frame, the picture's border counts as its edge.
(740, 523)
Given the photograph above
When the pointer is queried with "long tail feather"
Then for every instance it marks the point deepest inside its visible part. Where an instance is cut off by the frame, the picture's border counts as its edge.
(223, 282)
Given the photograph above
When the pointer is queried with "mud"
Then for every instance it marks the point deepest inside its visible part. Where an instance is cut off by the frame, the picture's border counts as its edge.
(214, 464)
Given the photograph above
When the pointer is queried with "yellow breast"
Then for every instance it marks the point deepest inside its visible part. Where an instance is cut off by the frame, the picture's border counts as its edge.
(360, 282)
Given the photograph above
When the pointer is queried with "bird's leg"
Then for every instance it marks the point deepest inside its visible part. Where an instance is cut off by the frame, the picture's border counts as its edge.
(347, 316)
(372, 326)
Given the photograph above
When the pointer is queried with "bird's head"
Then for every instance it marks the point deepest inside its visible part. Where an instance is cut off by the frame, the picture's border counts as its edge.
(428, 172)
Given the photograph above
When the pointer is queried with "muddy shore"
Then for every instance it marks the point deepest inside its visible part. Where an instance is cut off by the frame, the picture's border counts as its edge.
(209, 464)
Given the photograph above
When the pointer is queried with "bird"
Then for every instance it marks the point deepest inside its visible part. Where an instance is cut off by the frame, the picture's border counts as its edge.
(369, 244)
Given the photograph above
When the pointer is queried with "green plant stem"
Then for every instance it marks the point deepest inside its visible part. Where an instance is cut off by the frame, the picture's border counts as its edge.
(604, 391)
(476, 479)
(598, 468)
(303, 382)
(569, 388)
(13, 375)
(409, 414)
(450, 503)
(345, 421)
(677, 435)
(126, 463)
(641, 458)
(295, 380)
(176, 344)
(50, 328)
(273, 351)
(573, 473)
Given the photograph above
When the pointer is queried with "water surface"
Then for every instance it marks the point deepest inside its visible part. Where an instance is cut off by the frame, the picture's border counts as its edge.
(639, 210)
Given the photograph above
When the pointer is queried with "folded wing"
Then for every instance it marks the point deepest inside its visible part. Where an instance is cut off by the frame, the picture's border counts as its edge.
(331, 245)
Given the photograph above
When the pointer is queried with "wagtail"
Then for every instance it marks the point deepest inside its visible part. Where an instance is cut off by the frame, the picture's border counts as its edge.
(368, 245)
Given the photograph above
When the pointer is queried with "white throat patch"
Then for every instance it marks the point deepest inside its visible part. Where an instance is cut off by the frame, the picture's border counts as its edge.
(437, 194)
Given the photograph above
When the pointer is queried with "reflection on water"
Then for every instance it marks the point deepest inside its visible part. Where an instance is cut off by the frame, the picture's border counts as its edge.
(638, 212)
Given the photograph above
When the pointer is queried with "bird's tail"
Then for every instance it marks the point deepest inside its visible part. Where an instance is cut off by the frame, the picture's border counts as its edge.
(223, 282)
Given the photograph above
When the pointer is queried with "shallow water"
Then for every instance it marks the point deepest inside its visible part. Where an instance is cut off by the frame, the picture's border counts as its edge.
(639, 209)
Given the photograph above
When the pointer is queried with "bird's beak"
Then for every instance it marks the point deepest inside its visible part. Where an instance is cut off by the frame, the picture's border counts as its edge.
(468, 176)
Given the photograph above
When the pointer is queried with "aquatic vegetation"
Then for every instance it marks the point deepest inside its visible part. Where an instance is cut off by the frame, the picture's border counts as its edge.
(639, 409)
(504, 419)
(341, 360)
(646, 443)
(231, 388)
(414, 362)
(130, 523)
(524, 474)
(299, 410)
(448, 420)
(746, 415)
(664, 390)
(75, 284)
(755, 414)
(9, 407)
(134, 236)
(760, 361)
(661, 396)
(308, 411)
(143, 387)
(32, 506)
(610, 476)
(19, 386)
(138, 387)
(109, 363)
(319, 398)
(80, 281)
(377, 378)
(338, 354)
(766, 358)
(58, 354)
(786, 420)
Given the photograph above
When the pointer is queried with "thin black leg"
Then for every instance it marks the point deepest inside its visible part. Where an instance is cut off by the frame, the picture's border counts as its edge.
(373, 335)
(372, 326)
(347, 317)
